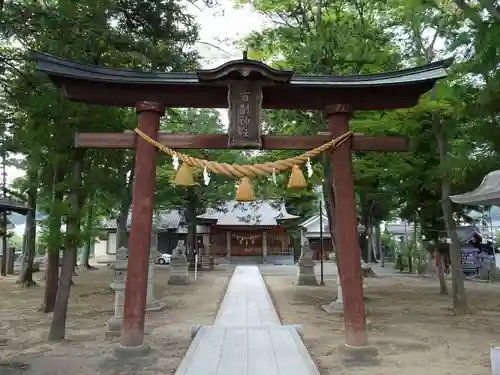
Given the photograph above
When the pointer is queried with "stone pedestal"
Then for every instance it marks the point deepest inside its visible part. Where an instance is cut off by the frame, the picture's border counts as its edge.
(207, 262)
(152, 304)
(306, 275)
(359, 355)
(118, 285)
(179, 274)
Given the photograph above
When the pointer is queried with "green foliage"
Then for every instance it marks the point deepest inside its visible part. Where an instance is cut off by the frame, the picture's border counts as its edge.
(147, 35)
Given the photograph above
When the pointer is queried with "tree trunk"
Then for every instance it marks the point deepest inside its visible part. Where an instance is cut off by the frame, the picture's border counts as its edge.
(191, 226)
(58, 324)
(26, 275)
(84, 262)
(458, 288)
(81, 196)
(3, 266)
(10, 260)
(443, 288)
(329, 198)
(378, 248)
(126, 201)
(54, 242)
(51, 281)
(364, 239)
(29, 243)
(121, 227)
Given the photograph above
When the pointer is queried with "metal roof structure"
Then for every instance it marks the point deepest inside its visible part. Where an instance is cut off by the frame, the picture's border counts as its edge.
(257, 213)
(208, 88)
(162, 220)
(9, 205)
(466, 232)
(487, 193)
(398, 229)
(230, 213)
(312, 228)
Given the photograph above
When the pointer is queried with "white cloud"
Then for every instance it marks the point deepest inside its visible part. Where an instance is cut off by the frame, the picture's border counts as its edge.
(19, 229)
(222, 26)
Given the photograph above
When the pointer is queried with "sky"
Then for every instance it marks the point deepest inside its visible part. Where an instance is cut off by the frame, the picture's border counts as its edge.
(220, 27)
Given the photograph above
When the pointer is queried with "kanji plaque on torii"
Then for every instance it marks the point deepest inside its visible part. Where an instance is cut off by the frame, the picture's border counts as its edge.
(245, 108)
(241, 82)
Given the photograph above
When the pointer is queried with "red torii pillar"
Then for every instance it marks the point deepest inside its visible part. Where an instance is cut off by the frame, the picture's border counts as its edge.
(132, 335)
(349, 252)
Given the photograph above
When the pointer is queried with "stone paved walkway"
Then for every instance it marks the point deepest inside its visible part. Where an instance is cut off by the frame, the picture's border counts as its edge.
(247, 302)
(247, 337)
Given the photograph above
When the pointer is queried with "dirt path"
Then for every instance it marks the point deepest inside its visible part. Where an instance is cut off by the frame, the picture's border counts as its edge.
(24, 350)
(411, 324)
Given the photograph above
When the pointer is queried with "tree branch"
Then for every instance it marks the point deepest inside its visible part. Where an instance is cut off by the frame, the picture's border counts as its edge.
(492, 9)
(469, 12)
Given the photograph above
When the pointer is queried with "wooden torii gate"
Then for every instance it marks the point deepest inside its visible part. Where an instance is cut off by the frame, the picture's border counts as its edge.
(245, 87)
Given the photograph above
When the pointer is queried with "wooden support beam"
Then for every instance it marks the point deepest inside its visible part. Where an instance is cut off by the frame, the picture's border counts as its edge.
(220, 141)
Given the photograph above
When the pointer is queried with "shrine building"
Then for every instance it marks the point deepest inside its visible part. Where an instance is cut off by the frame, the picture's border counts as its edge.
(235, 232)
(249, 232)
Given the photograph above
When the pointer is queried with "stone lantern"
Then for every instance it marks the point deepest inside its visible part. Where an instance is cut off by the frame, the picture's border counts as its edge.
(306, 275)
(179, 273)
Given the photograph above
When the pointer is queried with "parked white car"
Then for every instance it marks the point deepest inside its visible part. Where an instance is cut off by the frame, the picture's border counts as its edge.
(164, 259)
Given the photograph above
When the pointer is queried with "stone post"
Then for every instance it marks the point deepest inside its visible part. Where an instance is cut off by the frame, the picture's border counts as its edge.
(179, 273)
(337, 305)
(152, 304)
(306, 275)
(120, 266)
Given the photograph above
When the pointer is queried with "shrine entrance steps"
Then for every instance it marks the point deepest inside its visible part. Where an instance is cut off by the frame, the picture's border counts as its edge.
(247, 337)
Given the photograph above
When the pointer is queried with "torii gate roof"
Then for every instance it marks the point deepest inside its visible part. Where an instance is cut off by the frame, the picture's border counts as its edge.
(487, 193)
(208, 88)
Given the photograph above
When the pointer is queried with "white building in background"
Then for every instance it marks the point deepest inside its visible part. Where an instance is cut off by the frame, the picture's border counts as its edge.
(312, 232)
(168, 228)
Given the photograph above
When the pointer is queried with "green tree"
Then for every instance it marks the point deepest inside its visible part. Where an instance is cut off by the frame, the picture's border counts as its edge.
(152, 40)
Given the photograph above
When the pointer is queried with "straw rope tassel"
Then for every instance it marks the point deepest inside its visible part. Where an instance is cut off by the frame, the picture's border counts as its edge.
(297, 179)
(184, 176)
(244, 191)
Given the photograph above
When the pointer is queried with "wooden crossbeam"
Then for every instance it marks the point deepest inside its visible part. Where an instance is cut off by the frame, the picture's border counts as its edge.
(220, 141)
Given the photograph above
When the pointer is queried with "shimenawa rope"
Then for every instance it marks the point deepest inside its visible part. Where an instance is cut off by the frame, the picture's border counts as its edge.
(246, 170)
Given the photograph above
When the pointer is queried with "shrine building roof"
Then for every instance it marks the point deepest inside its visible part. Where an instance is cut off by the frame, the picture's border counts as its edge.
(11, 206)
(282, 89)
(257, 213)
